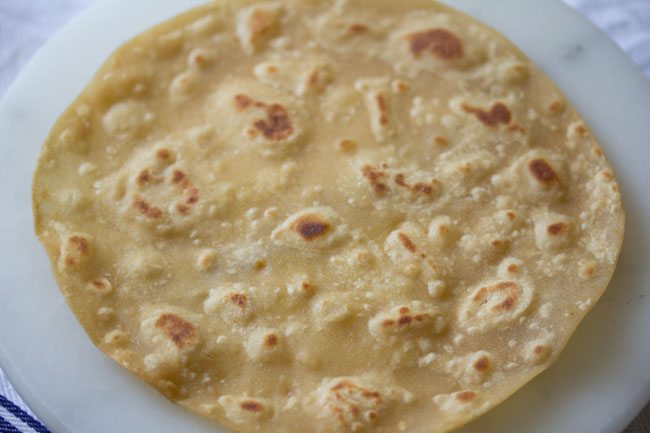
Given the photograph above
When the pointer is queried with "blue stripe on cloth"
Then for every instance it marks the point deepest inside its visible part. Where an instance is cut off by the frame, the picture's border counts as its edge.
(22, 415)
(5, 427)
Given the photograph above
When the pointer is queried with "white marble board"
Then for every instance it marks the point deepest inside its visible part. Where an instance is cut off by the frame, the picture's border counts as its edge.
(597, 386)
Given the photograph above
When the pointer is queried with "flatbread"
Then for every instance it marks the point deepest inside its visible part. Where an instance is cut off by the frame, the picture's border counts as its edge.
(324, 216)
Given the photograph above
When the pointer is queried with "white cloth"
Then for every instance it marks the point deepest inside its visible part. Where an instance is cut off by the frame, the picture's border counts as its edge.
(26, 24)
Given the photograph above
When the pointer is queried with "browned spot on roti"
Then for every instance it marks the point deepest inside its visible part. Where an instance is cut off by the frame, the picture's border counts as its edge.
(375, 177)
(310, 227)
(482, 364)
(358, 28)
(144, 177)
(423, 188)
(182, 208)
(178, 330)
(80, 244)
(383, 108)
(251, 406)
(400, 180)
(404, 320)
(498, 114)
(146, 209)
(557, 228)
(277, 125)
(439, 42)
(419, 187)
(179, 178)
(510, 298)
(407, 242)
(388, 323)
(542, 171)
(270, 340)
(192, 195)
(163, 154)
(465, 396)
(238, 299)
(98, 284)
(242, 102)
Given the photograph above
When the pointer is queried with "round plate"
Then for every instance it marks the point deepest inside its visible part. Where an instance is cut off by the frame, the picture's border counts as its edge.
(599, 383)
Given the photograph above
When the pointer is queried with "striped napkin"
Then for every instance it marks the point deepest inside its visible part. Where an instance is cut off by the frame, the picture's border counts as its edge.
(26, 24)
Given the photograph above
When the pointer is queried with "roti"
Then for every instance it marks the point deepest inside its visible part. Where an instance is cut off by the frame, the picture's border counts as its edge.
(329, 216)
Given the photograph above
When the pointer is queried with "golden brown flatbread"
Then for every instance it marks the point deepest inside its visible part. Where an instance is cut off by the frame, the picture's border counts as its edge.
(328, 216)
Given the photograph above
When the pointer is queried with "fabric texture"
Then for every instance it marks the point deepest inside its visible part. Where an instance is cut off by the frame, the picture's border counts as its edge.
(25, 25)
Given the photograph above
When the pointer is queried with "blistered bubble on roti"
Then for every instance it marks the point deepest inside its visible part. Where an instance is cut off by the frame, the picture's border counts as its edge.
(349, 404)
(327, 216)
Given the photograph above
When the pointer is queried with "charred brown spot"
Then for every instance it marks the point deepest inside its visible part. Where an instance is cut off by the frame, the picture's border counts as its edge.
(511, 215)
(507, 303)
(440, 140)
(556, 228)
(259, 265)
(179, 178)
(98, 284)
(404, 320)
(354, 409)
(423, 188)
(144, 177)
(356, 29)
(512, 268)
(388, 323)
(182, 209)
(482, 364)
(539, 349)
(496, 243)
(342, 385)
(580, 129)
(163, 154)
(542, 171)
(270, 340)
(515, 127)
(404, 310)
(199, 59)
(277, 125)
(383, 108)
(370, 394)
(80, 244)
(401, 180)
(439, 42)
(556, 107)
(238, 299)
(70, 261)
(146, 209)
(251, 406)
(498, 114)
(375, 177)
(192, 195)
(407, 242)
(465, 396)
(242, 102)
(310, 227)
(177, 329)
(420, 317)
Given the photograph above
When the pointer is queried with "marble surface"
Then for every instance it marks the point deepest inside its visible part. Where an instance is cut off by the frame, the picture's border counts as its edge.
(600, 381)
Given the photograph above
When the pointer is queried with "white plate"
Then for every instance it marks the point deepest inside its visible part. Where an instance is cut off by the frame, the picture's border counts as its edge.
(599, 383)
